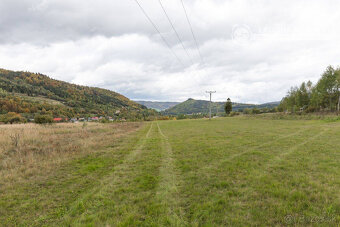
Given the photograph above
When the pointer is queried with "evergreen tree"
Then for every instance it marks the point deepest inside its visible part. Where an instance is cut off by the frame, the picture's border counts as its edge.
(228, 106)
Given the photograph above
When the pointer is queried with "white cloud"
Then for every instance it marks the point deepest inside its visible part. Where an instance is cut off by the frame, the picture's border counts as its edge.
(110, 44)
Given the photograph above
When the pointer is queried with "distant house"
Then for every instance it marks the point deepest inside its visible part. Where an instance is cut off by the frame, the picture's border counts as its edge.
(74, 120)
(94, 118)
(57, 119)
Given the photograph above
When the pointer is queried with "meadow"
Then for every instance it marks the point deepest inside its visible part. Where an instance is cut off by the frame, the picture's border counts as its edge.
(237, 171)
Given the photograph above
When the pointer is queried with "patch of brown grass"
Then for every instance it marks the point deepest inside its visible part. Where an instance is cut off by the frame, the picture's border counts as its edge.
(27, 149)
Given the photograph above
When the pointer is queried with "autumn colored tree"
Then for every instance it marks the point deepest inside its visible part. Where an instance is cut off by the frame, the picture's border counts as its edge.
(12, 117)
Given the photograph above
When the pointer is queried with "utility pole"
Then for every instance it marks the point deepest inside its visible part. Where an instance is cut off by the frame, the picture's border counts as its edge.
(210, 92)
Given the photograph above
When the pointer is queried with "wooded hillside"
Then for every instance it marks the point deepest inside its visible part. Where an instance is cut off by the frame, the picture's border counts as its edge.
(31, 93)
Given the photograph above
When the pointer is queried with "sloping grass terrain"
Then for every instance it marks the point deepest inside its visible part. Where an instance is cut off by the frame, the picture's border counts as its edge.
(228, 171)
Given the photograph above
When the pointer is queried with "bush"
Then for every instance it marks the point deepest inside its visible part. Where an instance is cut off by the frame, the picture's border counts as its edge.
(181, 117)
(247, 111)
(43, 119)
(104, 120)
(12, 117)
(255, 111)
(232, 114)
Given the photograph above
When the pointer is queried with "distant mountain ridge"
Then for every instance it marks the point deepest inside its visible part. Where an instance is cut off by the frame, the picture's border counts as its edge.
(30, 93)
(192, 106)
(159, 106)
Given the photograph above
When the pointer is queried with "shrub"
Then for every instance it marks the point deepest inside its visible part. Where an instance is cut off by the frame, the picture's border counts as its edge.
(104, 120)
(247, 111)
(15, 138)
(181, 117)
(43, 119)
(255, 111)
(232, 114)
(12, 117)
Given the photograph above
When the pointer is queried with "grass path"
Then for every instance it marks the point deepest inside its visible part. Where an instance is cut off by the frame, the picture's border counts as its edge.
(295, 147)
(262, 145)
(112, 180)
(141, 190)
(167, 192)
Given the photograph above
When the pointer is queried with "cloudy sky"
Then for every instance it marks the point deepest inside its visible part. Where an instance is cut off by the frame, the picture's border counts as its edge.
(252, 50)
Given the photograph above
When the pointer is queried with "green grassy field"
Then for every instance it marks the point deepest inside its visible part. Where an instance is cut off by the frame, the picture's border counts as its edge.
(228, 171)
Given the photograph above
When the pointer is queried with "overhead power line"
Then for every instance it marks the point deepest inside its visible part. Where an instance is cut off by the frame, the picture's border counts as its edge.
(192, 32)
(164, 40)
(173, 27)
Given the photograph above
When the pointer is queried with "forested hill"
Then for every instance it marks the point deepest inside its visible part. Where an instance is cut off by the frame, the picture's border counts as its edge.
(159, 106)
(192, 106)
(31, 93)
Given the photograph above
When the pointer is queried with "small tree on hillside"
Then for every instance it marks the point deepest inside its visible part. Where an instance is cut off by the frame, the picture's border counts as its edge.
(228, 106)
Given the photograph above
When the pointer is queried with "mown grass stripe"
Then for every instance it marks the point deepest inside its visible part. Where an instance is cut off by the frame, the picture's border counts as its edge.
(167, 191)
(120, 169)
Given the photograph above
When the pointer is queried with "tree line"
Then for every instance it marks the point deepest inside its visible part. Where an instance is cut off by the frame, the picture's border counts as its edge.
(323, 96)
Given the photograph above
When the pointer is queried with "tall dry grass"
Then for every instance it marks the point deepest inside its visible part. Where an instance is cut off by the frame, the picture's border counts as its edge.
(27, 149)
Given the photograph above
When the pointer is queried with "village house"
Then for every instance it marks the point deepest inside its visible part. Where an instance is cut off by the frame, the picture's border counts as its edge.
(74, 120)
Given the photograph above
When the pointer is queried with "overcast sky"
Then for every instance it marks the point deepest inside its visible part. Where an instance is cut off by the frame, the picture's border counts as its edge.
(253, 50)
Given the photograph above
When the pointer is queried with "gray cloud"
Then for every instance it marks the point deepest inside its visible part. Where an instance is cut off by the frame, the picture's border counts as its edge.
(253, 50)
